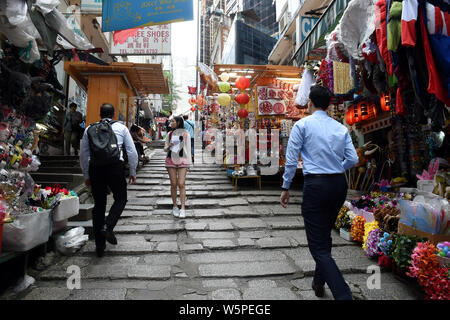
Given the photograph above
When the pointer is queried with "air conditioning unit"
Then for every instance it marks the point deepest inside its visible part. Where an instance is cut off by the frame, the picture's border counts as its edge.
(284, 21)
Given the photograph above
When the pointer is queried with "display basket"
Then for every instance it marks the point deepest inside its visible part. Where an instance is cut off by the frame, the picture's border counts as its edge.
(68, 207)
(27, 231)
(411, 231)
(443, 261)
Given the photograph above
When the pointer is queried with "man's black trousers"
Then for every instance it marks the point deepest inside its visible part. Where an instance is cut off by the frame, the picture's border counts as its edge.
(112, 176)
(323, 197)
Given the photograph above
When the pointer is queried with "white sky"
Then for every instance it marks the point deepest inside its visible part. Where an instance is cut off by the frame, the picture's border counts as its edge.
(184, 55)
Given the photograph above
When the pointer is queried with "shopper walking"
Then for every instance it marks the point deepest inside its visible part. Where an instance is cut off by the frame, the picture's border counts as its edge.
(102, 163)
(72, 129)
(189, 126)
(139, 141)
(178, 160)
(327, 151)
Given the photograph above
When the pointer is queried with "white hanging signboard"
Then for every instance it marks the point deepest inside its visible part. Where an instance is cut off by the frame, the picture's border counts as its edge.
(154, 40)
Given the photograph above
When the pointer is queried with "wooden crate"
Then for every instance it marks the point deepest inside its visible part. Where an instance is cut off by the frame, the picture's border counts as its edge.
(410, 231)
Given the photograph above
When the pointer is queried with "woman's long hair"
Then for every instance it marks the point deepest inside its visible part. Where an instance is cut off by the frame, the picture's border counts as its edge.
(180, 122)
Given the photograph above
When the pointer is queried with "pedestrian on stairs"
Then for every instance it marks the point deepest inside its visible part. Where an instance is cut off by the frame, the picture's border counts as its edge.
(189, 126)
(178, 160)
(327, 152)
(102, 163)
(72, 129)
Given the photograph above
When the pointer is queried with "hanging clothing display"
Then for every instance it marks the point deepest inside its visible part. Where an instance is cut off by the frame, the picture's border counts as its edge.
(381, 32)
(435, 84)
(438, 27)
(409, 18)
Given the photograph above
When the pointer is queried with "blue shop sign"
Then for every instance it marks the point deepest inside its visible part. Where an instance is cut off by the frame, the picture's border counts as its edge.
(120, 14)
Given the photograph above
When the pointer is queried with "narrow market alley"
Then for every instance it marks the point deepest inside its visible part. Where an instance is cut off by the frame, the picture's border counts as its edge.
(232, 245)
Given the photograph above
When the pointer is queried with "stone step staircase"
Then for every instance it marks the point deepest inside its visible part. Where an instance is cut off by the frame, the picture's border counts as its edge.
(62, 170)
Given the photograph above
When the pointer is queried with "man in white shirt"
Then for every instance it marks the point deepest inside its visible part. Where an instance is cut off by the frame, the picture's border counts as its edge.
(99, 177)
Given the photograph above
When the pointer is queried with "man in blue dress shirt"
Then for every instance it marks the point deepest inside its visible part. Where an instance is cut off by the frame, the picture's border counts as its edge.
(327, 152)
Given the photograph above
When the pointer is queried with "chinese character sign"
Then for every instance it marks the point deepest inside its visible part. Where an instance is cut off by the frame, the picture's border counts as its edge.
(128, 14)
(142, 41)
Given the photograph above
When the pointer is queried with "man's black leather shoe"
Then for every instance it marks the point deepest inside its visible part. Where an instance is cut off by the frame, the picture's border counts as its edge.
(318, 290)
(109, 236)
(100, 251)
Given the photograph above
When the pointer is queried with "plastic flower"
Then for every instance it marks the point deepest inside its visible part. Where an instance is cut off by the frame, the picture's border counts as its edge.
(367, 228)
(423, 263)
(437, 285)
(385, 262)
(357, 229)
(385, 244)
(372, 242)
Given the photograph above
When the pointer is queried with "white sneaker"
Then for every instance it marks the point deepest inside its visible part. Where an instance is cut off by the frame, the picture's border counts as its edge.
(176, 212)
(182, 213)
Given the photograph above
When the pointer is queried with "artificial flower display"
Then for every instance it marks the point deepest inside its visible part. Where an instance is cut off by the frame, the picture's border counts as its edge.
(357, 229)
(373, 239)
(367, 228)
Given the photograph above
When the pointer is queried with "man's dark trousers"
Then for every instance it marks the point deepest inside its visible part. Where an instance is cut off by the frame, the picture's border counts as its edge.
(112, 176)
(323, 197)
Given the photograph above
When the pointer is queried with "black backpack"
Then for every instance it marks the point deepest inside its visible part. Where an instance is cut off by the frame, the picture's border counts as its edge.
(104, 149)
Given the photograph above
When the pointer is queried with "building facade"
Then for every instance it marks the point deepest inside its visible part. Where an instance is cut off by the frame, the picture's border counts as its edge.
(247, 45)
(295, 20)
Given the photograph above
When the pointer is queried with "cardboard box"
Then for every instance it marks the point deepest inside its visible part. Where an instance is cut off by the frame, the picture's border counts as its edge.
(403, 229)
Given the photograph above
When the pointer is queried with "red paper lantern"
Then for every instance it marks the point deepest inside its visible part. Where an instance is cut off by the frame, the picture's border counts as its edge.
(356, 114)
(201, 102)
(243, 113)
(242, 83)
(349, 116)
(364, 110)
(242, 98)
(372, 111)
(193, 109)
(192, 101)
(367, 111)
(192, 90)
(385, 102)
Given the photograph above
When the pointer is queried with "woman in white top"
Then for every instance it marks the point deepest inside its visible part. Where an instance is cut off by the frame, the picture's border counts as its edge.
(178, 160)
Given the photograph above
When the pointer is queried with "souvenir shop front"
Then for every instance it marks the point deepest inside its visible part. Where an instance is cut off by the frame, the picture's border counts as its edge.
(250, 97)
(389, 73)
(32, 108)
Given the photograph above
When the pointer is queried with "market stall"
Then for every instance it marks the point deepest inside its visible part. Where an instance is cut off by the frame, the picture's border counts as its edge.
(388, 77)
(32, 42)
(250, 97)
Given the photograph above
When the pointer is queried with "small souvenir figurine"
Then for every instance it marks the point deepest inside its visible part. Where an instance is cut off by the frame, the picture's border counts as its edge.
(4, 154)
(16, 157)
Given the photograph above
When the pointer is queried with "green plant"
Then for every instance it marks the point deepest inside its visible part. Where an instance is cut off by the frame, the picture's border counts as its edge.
(402, 249)
(173, 97)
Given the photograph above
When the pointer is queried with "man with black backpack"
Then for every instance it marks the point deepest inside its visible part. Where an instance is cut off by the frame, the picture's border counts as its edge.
(102, 164)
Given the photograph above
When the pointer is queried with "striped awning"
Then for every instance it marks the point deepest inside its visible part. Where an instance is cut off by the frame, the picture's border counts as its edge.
(325, 23)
